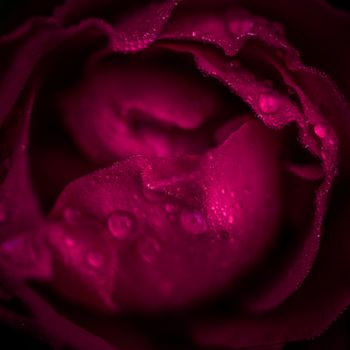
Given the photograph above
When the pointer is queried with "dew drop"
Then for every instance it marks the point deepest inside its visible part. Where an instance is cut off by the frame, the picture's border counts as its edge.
(3, 212)
(231, 219)
(69, 242)
(193, 221)
(235, 64)
(151, 194)
(269, 102)
(320, 130)
(120, 225)
(149, 249)
(95, 259)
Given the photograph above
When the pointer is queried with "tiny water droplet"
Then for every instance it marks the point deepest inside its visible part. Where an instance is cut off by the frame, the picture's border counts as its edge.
(3, 212)
(235, 64)
(120, 224)
(321, 130)
(231, 219)
(193, 221)
(150, 193)
(95, 259)
(149, 249)
(269, 102)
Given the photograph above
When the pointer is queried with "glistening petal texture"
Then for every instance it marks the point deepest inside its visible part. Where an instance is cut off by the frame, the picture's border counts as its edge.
(168, 220)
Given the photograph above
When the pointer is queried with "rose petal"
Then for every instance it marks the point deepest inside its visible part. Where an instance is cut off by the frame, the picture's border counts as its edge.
(18, 206)
(266, 105)
(139, 107)
(327, 31)
(164, 237)
(324, 293)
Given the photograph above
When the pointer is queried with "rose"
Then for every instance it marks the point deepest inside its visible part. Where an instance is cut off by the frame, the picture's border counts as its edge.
(171, 164)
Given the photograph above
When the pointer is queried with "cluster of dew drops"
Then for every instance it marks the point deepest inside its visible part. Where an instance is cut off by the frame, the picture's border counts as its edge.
(122, 224)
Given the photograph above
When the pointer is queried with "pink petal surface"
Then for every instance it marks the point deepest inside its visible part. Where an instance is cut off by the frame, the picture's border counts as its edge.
(138, 107)
(163, 237)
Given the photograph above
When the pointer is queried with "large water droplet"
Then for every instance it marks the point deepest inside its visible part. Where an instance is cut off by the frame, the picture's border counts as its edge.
(3, 212)
(120, 224)
(69, 242)
(149, 249)
(193, 221)
(321, 130)
(95, 259)
(269, 102)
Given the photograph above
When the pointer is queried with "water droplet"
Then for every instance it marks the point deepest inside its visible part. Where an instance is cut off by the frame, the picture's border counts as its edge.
(171, 208)
(321, 130)
(95, 259)
(149, 249)
(240, 26)
(269, 102)
(69, 242)
(3, 212)
(231, 219)
(193, 221)
(120, 224)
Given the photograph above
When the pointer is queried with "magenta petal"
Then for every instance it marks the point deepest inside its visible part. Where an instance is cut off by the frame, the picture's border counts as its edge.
(137, 107)
(327, 31)
(137, 31)
(276, 109)
(164, 220)
(19, 208)
(25, 46)
(324, 293)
